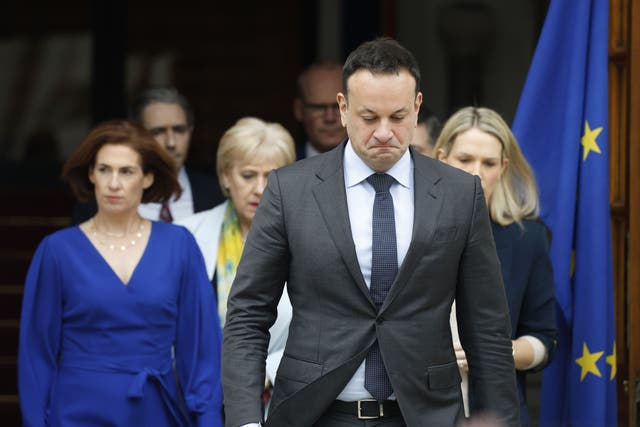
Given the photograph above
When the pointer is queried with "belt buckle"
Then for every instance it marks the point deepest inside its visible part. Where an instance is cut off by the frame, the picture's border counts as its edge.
(370, 417)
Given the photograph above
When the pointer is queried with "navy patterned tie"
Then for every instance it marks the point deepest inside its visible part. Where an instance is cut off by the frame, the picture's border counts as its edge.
(384, 267)
(165, 213)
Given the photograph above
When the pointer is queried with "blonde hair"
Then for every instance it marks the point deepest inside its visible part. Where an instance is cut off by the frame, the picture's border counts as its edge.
(516, 194)
(250, 139)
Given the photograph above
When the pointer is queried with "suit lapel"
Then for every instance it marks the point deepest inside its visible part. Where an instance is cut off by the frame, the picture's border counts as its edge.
(427, 205)
(331, 197)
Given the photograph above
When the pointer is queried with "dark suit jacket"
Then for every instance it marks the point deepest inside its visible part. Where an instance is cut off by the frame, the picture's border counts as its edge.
(528, 280)
(204, 189)
(301, 234)
(301, 151)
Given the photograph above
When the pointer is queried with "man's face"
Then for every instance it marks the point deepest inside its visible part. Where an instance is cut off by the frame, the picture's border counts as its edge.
(318, 110)
(380, 116)
(422, 140)
(168, 124)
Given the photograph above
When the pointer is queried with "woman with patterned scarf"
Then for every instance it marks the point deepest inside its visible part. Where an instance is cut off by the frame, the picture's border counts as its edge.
(247, 153)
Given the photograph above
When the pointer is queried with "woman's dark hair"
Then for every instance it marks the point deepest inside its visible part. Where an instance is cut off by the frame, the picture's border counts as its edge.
(153, 160)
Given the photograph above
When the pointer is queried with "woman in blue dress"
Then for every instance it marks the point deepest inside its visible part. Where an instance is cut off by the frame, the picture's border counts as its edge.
(479, 141)
(119, 325)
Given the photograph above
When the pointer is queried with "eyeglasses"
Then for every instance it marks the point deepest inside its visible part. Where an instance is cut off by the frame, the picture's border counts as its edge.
(317, 109)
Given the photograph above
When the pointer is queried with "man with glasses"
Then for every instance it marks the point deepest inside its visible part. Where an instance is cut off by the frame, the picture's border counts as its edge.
(316, 108)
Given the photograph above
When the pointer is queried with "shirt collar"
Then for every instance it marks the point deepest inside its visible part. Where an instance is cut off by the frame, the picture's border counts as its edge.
(182, 176)
(356, 170)
(309, 150)
(183, 180)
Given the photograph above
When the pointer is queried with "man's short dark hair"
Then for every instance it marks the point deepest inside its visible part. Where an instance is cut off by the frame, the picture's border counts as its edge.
(431, 121)
(165, 95)
(380, 56)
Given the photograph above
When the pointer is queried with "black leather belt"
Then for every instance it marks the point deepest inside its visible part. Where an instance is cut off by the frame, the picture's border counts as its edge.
(367, 409)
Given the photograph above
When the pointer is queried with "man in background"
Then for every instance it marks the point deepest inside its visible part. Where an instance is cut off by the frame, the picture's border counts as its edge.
(315, 107)
(427, 131)
(169, 117)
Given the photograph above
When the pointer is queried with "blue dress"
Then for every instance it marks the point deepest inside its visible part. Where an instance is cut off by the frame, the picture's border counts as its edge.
(94, 352)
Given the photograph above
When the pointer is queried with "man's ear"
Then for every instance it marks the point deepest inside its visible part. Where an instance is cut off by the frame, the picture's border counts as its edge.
(344, 106)
(418, 102)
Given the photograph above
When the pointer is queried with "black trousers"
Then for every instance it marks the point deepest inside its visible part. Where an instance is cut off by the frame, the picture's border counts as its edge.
(338, 419)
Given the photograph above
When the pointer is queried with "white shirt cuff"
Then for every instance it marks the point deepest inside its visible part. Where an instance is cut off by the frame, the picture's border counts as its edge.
(539, 351)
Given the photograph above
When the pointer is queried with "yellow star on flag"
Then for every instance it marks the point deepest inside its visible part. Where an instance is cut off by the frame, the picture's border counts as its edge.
(588, 140)
(588, 362)
(611, 360)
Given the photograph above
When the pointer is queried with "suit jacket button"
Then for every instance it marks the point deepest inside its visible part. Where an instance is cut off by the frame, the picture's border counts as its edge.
(380, 320)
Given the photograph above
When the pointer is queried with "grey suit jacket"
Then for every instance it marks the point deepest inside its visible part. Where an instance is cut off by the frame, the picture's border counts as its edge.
(301, 234)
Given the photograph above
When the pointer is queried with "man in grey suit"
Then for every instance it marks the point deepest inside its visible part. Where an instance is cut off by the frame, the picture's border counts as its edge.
(375, 242)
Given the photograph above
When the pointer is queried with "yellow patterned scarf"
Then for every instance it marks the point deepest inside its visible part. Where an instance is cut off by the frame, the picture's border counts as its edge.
(229, 252)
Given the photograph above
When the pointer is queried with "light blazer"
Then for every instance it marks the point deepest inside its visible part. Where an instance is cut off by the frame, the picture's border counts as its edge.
(206, 227)
(301, 234)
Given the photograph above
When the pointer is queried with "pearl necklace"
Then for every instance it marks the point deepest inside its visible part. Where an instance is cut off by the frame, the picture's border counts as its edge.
(112, 246)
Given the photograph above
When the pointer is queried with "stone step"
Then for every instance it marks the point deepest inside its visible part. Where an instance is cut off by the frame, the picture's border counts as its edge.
(10, 410)
(9, 331)
(8, 375)
(10, 301)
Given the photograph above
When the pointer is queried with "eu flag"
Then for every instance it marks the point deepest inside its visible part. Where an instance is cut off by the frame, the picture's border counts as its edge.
(561, 124)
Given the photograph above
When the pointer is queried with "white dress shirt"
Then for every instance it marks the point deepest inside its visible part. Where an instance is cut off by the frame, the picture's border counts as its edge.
(360, 197)
(181, 208)
(309, 150)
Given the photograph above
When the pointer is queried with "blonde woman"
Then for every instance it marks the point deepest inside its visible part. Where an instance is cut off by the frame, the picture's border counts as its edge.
(478, 141)
(247, 153)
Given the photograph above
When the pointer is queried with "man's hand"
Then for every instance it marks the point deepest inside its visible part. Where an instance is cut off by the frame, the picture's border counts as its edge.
(461, 358)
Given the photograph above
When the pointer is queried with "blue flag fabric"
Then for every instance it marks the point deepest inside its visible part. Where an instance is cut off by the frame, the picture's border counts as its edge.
(562, 126)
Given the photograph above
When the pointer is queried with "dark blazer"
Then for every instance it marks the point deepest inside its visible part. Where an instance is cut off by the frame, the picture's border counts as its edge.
(301, 150)
(528, 280)
(301, 234)
(205, 191)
